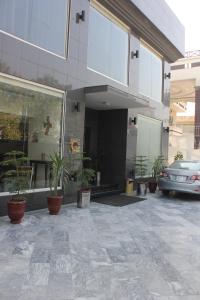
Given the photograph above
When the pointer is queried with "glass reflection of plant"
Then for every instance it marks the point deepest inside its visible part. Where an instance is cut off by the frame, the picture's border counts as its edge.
(141, 166)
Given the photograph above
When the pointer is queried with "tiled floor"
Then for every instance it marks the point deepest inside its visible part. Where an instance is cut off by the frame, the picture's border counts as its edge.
(147, 250)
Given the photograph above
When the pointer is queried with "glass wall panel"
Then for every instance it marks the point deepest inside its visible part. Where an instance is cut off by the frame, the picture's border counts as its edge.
(150, 74)
(149, 138)
(108, 47)
(30, 121)
(42, 23)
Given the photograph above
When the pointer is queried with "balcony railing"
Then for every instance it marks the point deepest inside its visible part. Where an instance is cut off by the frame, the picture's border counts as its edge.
(197, 130)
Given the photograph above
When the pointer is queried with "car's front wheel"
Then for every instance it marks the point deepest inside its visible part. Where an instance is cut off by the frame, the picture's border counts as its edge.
(165, 192)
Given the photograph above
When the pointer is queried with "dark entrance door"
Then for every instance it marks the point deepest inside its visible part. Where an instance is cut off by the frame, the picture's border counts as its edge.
(105, 143)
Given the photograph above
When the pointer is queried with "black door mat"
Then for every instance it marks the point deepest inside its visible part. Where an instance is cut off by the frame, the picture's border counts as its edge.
(118, 200)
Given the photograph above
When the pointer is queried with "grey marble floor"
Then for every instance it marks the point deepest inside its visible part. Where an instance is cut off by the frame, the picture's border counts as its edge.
(149, 250)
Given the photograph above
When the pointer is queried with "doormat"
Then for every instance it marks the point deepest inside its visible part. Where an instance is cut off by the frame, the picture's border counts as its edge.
(119, 200)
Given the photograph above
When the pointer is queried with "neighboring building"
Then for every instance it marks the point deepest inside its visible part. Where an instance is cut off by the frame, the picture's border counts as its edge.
(185, 107)
(88, 71)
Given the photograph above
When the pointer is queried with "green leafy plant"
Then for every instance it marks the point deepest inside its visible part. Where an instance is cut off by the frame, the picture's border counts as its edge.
(158, 165)
(59, 171)
(84, 176)
(18, 173)
(178, 156)
(77, 170)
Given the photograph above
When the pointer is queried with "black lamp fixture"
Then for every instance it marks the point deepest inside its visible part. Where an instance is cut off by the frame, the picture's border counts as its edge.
(132, 121)
(166, 129)
(76, 107)
(167, 75)
(80, 16)
(135, 54)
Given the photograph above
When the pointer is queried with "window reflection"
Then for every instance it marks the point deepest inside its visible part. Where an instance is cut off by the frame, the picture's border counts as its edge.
(30, 121)
(41, 22)
(107, 47)
(150, 74)
(149, 139)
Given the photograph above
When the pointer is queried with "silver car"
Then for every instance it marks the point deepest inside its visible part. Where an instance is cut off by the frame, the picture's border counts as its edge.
(181, 176)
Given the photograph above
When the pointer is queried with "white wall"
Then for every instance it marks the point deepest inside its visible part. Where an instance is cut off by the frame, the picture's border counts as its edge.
(184, 143)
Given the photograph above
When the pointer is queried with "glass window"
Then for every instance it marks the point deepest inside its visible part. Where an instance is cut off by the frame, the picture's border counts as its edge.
(30, 121)
(42, 23)
(149, 138)
(150, 74)
(108, 47)
(186, 165)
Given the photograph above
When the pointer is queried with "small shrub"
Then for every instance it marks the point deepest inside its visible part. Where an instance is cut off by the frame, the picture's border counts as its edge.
(178, 156)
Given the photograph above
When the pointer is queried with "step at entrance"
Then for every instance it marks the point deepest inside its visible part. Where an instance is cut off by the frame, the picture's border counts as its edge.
(105, 190)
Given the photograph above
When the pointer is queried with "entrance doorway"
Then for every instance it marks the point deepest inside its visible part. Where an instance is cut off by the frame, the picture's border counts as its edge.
(105, 143)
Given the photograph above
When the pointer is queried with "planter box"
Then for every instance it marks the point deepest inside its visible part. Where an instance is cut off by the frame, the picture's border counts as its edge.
(141, 189)
(83, 200)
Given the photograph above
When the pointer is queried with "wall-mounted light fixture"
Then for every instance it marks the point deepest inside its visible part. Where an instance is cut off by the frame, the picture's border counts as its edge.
(135, 54)
(80, 16)
(106, 103)
(166, 129)
(167, 75)
(76, 107)
(132, 121)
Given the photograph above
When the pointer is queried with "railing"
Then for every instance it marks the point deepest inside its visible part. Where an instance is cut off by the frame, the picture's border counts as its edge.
(192, 53)
(197, 130)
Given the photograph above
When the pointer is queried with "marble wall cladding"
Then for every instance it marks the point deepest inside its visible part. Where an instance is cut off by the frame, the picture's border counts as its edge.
(70, 73)
(145, 251)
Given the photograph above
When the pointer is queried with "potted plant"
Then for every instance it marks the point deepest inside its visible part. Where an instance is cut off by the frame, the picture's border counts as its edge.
(157, 167)
(81, 176)
(84, 176)
(141, 167)
(18, 178)
(58, 172)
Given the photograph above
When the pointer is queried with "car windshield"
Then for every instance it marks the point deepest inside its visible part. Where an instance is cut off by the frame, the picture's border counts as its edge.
(186, 165)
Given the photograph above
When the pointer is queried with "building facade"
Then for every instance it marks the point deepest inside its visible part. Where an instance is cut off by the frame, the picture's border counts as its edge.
(94, 73)
(185, 107)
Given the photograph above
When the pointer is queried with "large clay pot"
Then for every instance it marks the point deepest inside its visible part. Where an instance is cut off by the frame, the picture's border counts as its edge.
(16, 208)
(152, 186)
(54, 204)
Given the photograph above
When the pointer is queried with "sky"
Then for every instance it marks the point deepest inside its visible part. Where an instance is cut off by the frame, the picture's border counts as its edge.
(188, 13)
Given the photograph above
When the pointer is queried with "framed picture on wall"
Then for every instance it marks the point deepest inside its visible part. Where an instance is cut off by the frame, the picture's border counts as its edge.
(75, 145)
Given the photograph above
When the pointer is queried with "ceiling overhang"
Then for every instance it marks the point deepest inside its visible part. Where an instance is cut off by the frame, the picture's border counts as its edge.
(143, 27)
(105, 97)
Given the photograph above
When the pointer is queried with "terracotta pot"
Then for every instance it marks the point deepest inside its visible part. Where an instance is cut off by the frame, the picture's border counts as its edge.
(16, 208)
(152, 186)
(54, 204)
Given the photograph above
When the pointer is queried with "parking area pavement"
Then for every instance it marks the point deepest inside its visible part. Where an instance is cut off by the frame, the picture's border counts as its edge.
(148, 250)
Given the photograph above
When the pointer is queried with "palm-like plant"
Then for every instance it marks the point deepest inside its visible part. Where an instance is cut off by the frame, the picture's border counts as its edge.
(58, 172)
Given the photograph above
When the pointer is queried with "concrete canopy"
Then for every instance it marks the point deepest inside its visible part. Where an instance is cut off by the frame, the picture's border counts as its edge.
(105, 97)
